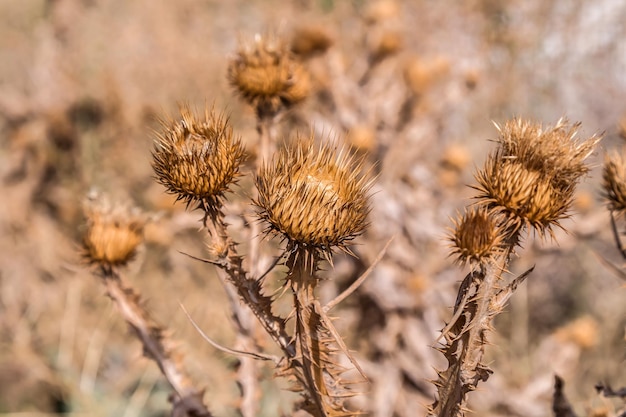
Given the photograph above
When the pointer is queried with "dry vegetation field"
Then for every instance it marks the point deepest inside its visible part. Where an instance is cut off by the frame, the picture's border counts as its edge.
(90, 90)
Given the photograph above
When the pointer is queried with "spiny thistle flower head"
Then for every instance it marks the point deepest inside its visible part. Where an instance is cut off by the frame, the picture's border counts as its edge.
(614, 182)
(197, 159)
(531, 177)
(267, 76)
(477, 237)
(112, 234)
(308, 41)
(314, 196)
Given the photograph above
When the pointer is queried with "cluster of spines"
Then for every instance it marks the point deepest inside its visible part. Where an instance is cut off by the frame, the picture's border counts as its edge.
(198, 159)
(528, 182)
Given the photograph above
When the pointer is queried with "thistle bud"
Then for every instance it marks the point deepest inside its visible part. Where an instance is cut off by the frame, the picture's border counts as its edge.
(267, 76)
(477, 237)
(614, 182)
(308, 41)
(313, 196)
(198, 159)
(113, 233)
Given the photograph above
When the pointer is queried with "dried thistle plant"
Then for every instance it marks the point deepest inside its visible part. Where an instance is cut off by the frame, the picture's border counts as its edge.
(197, 159)
(112, 235)
(265, 74)
(316, 200)
(527, 183)
(614, 189)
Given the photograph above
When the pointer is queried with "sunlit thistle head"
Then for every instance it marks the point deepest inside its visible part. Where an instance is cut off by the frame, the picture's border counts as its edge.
(614, 182)
(314, 196)
(477, 237)
(531, 177)
(197, 159)
(266, 74)
(112, 234)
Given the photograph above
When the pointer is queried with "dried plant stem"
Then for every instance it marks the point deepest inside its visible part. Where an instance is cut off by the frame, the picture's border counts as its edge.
(156, 345)
(248, 289)
(315, 339)
(480, 298)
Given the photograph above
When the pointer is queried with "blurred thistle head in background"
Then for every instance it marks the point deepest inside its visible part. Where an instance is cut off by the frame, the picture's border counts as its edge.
(266, 74)
(309, 41)
(477, 237)
(113, 232)
(614, 182)
(530, 179)
(197, 159)
(314, 196)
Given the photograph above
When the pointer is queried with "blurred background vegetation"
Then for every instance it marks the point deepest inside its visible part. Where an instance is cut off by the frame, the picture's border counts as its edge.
(414, 85)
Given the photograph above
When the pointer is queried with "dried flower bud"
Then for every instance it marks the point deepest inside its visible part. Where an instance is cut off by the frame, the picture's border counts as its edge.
(387, 44)
(614, 182)
(267, 76)
(314, 197)
(531, 177)
(310, 41)
(420, 74)
(113, 233)
(477, 237)
(381, 10)
(198, 159)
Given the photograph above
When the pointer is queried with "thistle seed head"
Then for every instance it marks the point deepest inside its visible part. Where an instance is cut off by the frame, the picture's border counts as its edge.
(308, 41)
(531, 177)
(477, 237)
(267, 76)
(314, 196)
(113, 233)
(197, 159)
(614, 182)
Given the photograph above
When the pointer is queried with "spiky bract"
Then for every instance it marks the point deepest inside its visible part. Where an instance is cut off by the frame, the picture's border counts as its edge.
(477, 237)
(198, 159)
(267, 76)
(614, 182)
(113, 233)
(531, 177)
(314, 196)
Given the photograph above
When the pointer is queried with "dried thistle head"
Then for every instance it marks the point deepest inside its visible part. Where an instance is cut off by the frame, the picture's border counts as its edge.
(308, 41)
(113, 232)
(531, 177)
(267, 76)
(197, 159)
(313, 196)
(477, 237)
(387, 44)
(614, 182)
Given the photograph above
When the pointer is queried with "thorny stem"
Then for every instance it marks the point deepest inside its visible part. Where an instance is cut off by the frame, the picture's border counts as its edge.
(231, 269)
(247, 288)
(315, 337)
(303, 282)
(480, 299)
(187, 399)
(247, 377)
